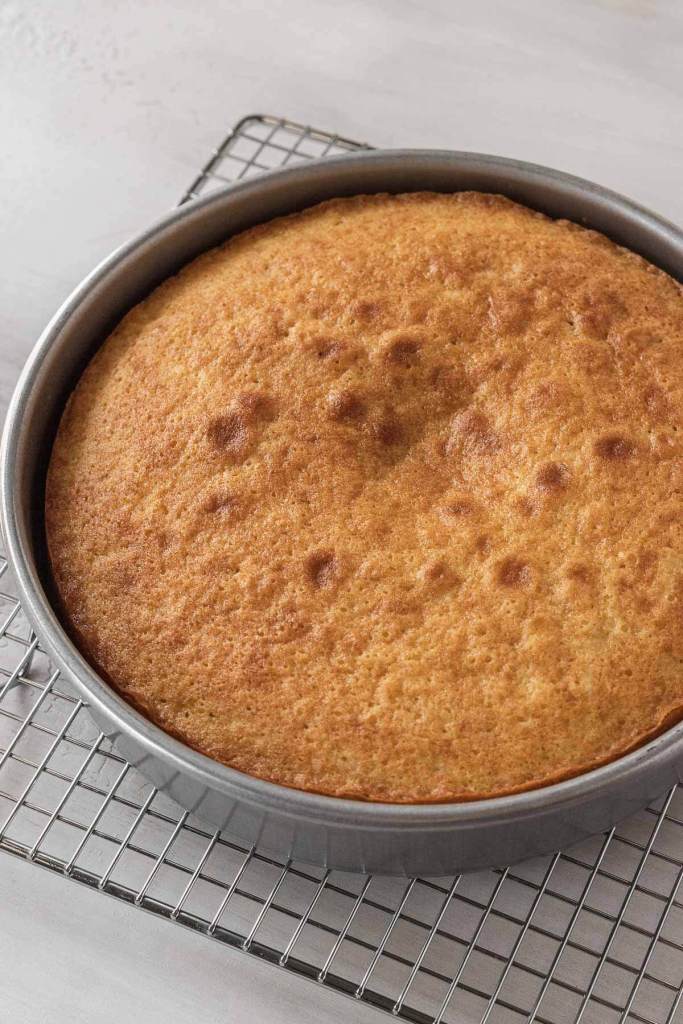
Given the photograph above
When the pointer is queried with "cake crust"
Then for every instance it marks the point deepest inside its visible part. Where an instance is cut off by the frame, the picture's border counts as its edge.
(382, 500)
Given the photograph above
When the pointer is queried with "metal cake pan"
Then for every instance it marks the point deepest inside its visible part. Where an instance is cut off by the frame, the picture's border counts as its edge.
(345, 834)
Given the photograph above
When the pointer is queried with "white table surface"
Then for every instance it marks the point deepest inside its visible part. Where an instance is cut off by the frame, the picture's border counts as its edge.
(106, 110)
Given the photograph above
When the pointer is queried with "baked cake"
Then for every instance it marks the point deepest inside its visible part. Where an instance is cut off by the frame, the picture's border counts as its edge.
(383, 500)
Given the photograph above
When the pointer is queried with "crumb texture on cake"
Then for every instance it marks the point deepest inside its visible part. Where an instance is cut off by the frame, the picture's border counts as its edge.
(383, 500)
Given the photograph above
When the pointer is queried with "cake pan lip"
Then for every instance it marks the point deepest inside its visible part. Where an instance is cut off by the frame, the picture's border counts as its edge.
(284, 800)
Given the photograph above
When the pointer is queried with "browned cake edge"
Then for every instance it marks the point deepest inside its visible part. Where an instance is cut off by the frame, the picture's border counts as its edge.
(670, 717)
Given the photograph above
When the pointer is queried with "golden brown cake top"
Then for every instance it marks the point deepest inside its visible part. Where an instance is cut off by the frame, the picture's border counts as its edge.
(383, 500)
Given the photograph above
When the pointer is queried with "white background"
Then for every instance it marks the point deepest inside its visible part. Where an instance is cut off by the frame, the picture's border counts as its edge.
(106, 111)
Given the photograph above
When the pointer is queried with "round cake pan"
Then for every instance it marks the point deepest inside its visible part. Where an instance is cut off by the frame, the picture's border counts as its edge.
(352, 835)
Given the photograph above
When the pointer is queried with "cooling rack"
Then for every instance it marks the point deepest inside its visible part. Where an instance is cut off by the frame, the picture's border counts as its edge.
(593, 934)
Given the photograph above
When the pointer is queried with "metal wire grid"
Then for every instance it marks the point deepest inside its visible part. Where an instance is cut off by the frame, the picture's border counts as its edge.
(260, 143)
(594, 934)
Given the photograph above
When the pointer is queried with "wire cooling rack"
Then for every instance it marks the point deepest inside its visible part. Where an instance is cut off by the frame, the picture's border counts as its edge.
(593, 934)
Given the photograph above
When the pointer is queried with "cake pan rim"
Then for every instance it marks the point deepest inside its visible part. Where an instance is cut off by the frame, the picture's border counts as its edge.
(237, 785)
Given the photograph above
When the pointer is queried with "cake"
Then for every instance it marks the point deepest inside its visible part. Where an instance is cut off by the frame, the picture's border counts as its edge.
(382, 500)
